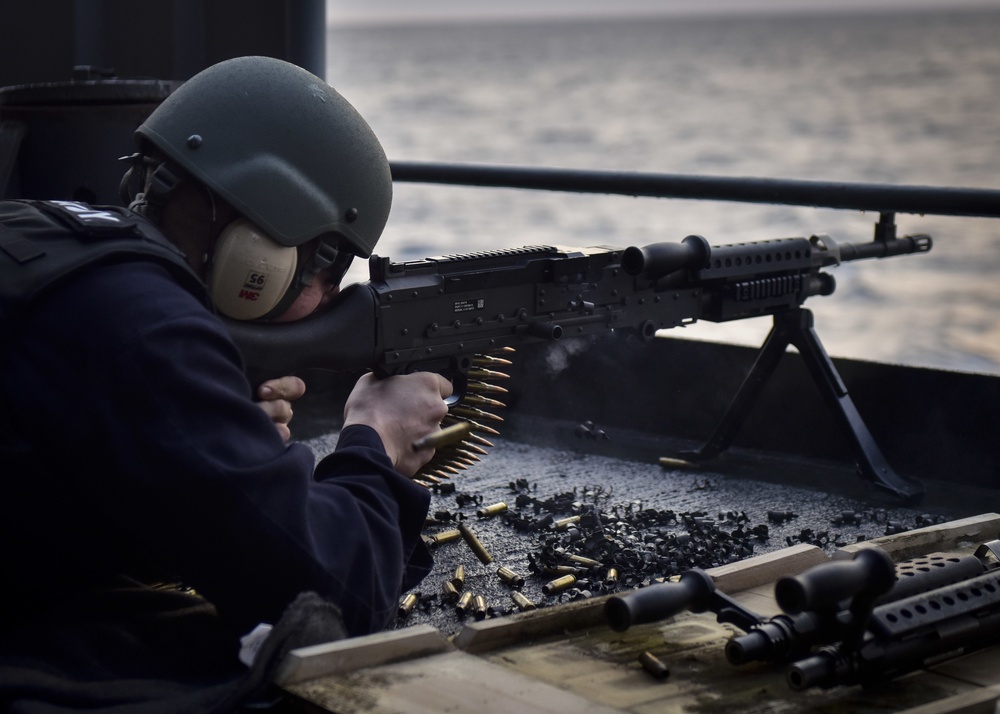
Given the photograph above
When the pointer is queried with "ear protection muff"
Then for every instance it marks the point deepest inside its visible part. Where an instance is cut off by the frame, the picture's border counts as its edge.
(250, 275)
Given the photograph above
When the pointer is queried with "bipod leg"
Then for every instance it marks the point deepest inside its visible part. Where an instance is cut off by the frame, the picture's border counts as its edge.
(872, 465)
(768, 357)
(796, 328)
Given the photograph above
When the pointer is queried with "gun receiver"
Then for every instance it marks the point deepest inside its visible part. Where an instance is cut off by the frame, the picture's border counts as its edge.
(441, 314)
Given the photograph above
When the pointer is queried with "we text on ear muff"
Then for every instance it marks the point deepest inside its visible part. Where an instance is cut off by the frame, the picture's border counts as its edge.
(250, 275)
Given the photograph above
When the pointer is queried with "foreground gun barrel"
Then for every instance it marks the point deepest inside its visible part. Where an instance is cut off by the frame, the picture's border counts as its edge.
(657, 602)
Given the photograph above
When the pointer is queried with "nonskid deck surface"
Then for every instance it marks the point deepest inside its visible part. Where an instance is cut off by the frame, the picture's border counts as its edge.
(643, 520)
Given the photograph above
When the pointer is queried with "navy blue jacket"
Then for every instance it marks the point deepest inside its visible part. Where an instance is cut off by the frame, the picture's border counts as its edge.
(132, 445)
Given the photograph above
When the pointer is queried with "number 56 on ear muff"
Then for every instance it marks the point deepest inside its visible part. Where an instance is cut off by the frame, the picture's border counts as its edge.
(250, 275)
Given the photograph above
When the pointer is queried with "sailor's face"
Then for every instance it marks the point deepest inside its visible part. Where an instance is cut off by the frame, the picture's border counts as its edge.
(313, 298)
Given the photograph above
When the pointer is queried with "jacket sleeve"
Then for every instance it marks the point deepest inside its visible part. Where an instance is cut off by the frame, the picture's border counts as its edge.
(193, 476)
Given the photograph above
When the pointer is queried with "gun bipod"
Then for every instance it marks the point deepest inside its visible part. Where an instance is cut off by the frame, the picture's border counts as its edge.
(795, 327)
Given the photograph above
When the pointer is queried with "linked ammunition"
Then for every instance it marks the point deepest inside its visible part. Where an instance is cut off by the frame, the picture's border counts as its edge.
(510, 577)
(494, 510)
(407, 605)
(559, 584)
(474, 543)
(475, 426)
(446, 436)
(654, 665)
(481, 401)
(522, 602)
(472, 413)
(479, 607)
(482, 360)
(485, 375)
(464, 602)
(458, 578)
(484, 388)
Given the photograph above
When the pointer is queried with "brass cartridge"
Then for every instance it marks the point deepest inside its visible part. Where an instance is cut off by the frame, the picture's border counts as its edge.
(559, 584)
(458, 579)
(494, 510)
(464, 603)
(510, 577)
(446, 537)
(475, 544)
(407, 605)
(522, 602)
(479, 607)
(654, 665)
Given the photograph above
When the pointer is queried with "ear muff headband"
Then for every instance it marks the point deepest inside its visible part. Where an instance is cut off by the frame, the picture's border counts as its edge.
(250, 274)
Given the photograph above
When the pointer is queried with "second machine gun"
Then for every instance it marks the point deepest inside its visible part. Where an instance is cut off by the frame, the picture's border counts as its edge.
(450, 314)
(846, 622)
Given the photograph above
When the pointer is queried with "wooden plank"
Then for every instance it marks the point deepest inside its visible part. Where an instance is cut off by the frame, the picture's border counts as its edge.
(977, 701)
(450, 682)
(766, 568)
(945, 536)
(307, 663)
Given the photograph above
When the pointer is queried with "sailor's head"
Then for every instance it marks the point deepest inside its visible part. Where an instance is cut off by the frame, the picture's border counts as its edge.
(295, 182)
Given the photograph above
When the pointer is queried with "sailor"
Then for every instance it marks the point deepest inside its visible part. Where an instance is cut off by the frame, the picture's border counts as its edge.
(132, 453)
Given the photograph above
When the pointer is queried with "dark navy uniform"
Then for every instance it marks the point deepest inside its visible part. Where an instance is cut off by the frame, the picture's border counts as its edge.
(130, 445)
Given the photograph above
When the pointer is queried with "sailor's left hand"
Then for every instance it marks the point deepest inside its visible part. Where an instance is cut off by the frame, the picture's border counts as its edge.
(275, 397)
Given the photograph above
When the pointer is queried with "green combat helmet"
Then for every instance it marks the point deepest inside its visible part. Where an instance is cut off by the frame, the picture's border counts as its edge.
(282, 147)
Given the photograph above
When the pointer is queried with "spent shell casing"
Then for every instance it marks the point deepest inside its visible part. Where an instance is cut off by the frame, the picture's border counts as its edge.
(510, 577)
(407, 604)
(564, 523)
(479, 607)
(464, 603)
(654, 665)
(446, 537)
(493, 510)
(611, 577)
(448, 435)
(458, 577)
(522, 602)
(561, 570)
(448, 591)
(559, 584)
(585, 562)
(475, 544)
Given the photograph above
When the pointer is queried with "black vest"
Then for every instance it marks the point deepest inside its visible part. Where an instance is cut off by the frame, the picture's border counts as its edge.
(42, 243)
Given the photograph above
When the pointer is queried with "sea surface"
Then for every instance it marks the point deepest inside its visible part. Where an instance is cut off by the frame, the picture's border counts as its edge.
(896, 98)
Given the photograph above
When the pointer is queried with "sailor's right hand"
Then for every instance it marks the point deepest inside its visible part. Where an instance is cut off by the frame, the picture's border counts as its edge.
(402, 409)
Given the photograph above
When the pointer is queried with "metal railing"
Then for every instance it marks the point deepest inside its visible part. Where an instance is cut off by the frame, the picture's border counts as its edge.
(883, 198)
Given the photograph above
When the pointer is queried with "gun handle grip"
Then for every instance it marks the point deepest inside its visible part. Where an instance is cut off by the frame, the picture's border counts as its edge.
(870, 572)
(658, 602)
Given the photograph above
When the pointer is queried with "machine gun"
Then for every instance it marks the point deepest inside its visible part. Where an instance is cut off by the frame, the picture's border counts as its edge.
(454, 314)
(846, 622)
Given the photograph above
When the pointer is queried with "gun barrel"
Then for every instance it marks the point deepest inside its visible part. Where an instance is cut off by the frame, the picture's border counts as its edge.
(886, 248)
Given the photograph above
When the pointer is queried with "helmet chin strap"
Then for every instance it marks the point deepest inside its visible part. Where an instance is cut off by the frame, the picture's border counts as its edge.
(157, 185)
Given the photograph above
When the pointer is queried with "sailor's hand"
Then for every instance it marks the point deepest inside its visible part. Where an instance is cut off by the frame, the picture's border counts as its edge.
(401, 409)
(275, 397)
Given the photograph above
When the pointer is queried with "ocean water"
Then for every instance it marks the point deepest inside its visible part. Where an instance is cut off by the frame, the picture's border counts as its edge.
(897, 98)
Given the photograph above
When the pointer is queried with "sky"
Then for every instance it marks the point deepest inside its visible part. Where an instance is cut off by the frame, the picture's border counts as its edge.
(366, 11)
